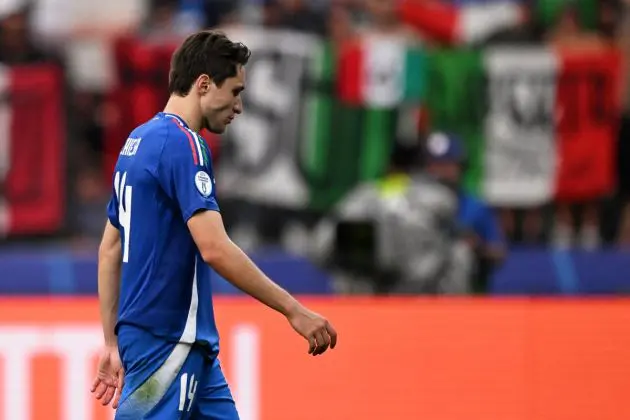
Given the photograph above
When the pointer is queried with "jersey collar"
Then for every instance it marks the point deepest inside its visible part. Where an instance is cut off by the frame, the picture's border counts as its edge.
(177, 117)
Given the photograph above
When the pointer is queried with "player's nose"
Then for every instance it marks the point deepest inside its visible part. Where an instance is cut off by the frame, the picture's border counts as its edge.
(238, 106)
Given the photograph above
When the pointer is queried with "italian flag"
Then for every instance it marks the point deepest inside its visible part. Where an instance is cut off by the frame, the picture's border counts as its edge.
(353, 112)
(379, 71)
(540, 123)
(467, 24)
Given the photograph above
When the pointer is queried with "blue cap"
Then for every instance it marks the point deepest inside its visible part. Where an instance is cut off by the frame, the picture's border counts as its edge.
(444, 147)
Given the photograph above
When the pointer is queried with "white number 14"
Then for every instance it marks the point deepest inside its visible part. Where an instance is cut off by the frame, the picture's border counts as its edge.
(123, 193)
(187, 391)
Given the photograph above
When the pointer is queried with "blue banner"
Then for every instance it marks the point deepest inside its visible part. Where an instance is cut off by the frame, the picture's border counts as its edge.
(526, 272)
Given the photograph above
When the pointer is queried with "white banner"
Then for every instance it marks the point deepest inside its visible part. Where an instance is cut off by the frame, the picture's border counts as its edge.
(520, 153)
(259, 155)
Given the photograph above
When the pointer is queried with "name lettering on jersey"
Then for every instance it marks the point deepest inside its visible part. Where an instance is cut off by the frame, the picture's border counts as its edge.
(131, 146)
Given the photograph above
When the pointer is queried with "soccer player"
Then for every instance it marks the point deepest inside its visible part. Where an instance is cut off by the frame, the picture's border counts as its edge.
(159, 359)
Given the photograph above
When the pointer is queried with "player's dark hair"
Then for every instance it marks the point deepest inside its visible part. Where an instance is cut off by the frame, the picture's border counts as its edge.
(205, 52)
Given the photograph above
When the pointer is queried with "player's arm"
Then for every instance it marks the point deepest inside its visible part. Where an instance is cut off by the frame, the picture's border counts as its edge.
(109, 380)
(218, 251)
(109, 264)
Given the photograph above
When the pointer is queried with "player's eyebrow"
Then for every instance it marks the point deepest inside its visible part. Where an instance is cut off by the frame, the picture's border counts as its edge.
(239, 89)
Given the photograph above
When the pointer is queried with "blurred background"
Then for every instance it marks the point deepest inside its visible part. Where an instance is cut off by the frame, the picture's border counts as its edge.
(387, 148)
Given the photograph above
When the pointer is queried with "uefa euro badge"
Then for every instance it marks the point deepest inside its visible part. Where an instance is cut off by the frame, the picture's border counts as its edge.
(203, 183)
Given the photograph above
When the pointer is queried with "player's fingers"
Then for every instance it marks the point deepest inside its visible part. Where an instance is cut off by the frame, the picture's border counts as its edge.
(109, 395)
(95, 383)
(121, 381)
(333, 335)
(100, 391)
(322, 342)
(312, 344)
(116, 398)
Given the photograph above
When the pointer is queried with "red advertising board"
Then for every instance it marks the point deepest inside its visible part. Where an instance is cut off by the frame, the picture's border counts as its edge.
(451, 359)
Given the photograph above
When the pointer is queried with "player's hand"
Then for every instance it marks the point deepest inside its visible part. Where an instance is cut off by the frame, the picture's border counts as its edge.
(109, 380)
(315, 328)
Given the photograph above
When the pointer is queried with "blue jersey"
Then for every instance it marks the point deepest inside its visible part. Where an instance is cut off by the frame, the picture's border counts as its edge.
(475, 215)
(162, 178)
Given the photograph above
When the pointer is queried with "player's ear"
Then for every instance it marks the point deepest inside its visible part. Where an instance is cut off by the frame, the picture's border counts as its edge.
(204, 84)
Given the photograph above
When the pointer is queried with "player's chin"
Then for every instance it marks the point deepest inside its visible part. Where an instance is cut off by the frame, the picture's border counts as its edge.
(217, 128)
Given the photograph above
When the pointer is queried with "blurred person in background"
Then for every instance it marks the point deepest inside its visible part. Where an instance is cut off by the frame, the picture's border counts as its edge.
(415, 228)
(610, 19)
(16, 41)
(193, 15)
(461, 23)
(569, 33)
(446, 161)
(169, 20)
(340, 26)
(568, 30)
(383, 18)
(298, 15)
(219, 12)
(620, 14)
(162, 24)
(395, 235)
(91, 198)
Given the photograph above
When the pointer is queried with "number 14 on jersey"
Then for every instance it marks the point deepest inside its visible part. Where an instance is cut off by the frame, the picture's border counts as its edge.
(123, 194)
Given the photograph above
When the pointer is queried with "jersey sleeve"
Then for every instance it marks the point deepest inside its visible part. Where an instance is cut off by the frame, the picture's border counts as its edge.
(185, 172)
(112, 211)
(489, 229)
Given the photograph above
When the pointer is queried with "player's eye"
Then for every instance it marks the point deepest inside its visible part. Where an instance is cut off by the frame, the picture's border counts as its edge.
(237, 91)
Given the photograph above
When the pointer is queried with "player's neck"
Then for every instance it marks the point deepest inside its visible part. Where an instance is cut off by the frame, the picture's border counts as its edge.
(186, 109)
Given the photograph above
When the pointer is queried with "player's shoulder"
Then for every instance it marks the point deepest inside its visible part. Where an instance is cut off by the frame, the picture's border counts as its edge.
(166, 135)
(184, 143)
(152, 134)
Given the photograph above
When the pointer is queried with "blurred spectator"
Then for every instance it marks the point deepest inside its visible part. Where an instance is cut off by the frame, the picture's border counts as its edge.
(569, 33)
(471, 23)
(16, 41)
(340, 26)
(445, 160)
(610, 15)
(567, 30)
(162, 23)
(383, 17)
(623, 40)
(220, 12)
(91, 199)
(191, 16)
(426, 234)
(169, 20)
(295, 15)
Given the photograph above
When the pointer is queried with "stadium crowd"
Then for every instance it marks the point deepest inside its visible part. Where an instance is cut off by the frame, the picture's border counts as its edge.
(521, 106)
